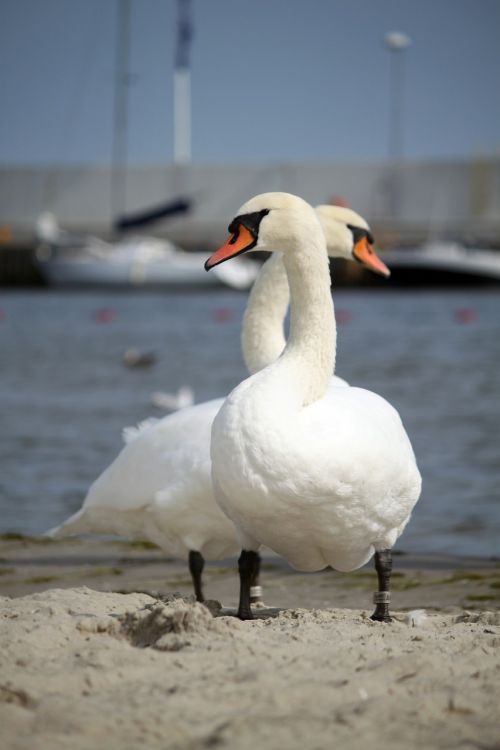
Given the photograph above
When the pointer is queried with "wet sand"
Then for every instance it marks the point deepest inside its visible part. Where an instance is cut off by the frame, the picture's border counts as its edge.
(96, 652)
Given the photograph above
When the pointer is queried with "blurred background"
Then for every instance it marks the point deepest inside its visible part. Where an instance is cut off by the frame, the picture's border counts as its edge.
(131, 132)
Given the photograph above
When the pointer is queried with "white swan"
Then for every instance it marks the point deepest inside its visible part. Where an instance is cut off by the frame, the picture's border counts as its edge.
(159, 487)
(323, 476)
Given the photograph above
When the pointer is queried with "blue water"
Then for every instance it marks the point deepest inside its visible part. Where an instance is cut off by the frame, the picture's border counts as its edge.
(65, 394)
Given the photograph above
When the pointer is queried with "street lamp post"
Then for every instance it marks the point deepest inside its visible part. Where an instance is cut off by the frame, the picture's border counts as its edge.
(397, 43)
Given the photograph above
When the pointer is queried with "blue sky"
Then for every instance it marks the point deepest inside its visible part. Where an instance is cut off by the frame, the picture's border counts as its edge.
(273, 80)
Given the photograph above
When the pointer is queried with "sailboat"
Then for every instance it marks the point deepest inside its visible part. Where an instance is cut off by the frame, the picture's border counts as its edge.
(64, 258)
(67, 259)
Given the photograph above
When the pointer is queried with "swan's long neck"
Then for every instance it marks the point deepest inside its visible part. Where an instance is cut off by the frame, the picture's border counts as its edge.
(262, 336)
(310, 352)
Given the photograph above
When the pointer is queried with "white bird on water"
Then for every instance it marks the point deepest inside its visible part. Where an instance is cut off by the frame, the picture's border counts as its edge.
(323, 476)
(174, 401)
(159, 487)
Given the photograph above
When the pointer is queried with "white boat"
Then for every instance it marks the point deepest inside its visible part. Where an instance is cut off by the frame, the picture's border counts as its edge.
(446, 259)
(68, 260)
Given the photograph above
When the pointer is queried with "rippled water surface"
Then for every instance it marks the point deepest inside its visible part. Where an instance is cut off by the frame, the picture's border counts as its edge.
(65, 394)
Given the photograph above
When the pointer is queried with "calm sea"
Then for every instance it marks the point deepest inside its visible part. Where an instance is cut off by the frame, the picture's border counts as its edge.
(65, 394)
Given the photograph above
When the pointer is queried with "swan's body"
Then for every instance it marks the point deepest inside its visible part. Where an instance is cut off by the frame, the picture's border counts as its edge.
(323, 476)
(159, 487)
(324, 484)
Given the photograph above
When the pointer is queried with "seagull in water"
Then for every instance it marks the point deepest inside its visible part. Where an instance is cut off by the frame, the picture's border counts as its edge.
(174, 401)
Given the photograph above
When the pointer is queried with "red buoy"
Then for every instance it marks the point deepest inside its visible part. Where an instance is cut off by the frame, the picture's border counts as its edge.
(343, 317)
(465, 315)
(104, 314)
(222, 314)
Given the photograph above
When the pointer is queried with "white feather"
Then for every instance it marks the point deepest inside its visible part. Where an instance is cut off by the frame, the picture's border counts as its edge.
(129, 434)
(416, 617)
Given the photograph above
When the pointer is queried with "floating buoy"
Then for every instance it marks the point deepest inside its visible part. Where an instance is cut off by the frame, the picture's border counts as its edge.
(342, 317)
(104, 314)
(465, 315)
(222, 314)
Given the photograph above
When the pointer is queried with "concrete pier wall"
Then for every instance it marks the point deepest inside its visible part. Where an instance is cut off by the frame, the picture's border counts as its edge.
(405, 203)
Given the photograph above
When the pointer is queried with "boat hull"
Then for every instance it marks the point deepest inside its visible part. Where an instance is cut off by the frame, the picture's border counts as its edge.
(143, 262)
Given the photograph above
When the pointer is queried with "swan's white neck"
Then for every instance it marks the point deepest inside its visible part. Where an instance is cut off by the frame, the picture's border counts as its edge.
(310, 351)
(262, 335)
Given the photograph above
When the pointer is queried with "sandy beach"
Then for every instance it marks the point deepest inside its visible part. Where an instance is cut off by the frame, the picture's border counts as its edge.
(102, 646)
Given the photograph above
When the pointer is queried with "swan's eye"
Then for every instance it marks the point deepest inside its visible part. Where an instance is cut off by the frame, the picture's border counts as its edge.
(234, 237)
(247, 221)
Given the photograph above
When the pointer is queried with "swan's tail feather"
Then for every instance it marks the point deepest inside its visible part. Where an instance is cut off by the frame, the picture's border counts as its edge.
(129, 434)
(75, 524)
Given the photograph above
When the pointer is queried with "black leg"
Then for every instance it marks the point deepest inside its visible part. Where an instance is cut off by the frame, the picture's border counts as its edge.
(383, 566)
(247, 566)
(255, 587)
(196, 565)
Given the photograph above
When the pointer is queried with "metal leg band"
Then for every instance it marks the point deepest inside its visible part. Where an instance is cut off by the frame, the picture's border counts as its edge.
(381, 597)
(255, 592)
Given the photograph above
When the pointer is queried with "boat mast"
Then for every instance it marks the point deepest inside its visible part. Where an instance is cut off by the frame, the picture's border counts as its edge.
(182, 85)
(118, 198)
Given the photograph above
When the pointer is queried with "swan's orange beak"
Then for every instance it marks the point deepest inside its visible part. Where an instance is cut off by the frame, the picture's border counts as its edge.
(239, 242)
(364, 252)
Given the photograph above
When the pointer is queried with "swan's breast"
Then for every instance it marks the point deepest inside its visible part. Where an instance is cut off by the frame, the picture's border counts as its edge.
(340, 469)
